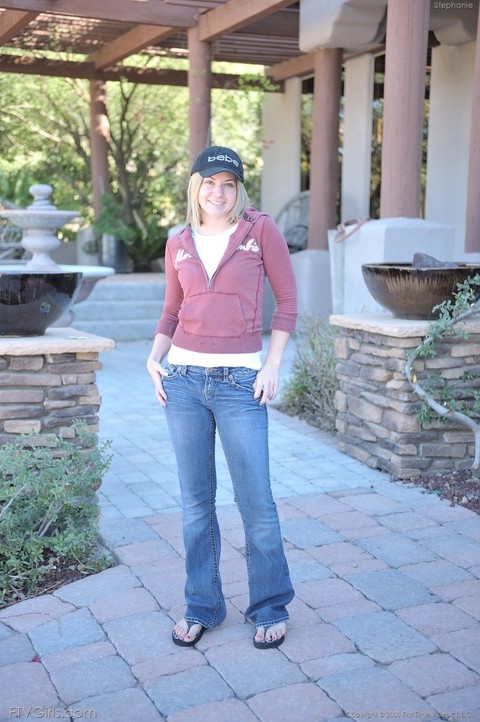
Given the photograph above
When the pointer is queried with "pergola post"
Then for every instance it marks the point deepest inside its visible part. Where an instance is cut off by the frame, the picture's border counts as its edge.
(405, 60)
(472, 219)
(99, 136)
(199, 86)
(324, 167)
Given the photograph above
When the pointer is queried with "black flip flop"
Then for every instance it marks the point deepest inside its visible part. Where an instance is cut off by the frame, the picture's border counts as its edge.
(182, 643)
(268, 644)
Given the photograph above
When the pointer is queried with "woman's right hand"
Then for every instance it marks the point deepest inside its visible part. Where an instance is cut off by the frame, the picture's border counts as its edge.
(160, 348)
(157, 372)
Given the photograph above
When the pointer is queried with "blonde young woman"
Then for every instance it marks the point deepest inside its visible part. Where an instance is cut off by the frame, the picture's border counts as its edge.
(208, 375)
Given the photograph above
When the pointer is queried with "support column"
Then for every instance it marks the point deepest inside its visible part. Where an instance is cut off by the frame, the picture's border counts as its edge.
(199, 85)
(357, 137)
(99, 138)
(324, 168)
(405, 60)
(281, 146)
(472, 220)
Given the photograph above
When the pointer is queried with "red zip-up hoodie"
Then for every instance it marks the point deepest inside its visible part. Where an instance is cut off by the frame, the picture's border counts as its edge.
(224, 314)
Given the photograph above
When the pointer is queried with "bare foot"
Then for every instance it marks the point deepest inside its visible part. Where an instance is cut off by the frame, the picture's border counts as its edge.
(187, 632)
(272, 637)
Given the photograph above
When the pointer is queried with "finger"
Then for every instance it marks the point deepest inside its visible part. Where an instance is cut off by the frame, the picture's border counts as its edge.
(161, 396)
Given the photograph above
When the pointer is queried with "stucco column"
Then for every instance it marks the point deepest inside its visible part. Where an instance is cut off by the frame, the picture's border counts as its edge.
(281, 146)
(199, 85)
(324, 150)
(357, 137)
(405, 60)
(472, 220)
(99, 138)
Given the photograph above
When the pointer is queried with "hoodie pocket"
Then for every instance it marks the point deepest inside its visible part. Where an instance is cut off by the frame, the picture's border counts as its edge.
(213, 314)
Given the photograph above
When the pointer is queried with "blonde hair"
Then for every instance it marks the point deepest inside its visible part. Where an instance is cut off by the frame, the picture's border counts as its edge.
(194, 212)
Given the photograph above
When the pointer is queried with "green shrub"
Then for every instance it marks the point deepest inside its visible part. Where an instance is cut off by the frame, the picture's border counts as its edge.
(48, 510)
(310, 391)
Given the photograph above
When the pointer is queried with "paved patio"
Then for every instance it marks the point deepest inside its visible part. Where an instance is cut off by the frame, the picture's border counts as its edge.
(385, 623)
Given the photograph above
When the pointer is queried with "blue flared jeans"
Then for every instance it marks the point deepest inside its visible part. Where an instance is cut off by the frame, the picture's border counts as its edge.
(201, 401)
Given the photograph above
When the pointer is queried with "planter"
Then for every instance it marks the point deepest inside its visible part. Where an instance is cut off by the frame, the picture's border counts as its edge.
(412, 293)
(113, 252)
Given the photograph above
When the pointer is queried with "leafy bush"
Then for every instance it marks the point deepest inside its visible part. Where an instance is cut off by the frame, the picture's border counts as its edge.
(48, 511)
(310, 392)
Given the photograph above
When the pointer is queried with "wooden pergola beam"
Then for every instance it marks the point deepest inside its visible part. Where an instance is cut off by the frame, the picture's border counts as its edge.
(129, 43)
(296, 67)
(147, 12)
(29, 65)
(234, 15)
(12, 22)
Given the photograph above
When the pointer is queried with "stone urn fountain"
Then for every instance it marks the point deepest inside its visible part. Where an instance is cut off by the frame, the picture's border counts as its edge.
(38, 293)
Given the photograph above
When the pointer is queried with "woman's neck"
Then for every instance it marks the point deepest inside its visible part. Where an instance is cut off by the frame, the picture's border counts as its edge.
(214, 226)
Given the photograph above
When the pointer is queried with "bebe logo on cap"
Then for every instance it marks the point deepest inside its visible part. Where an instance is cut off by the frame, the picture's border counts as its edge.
(222, 157)
(216, 159)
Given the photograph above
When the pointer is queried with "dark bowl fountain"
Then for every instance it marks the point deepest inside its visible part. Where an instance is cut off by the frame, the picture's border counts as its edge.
(31, 301)
(412, 292)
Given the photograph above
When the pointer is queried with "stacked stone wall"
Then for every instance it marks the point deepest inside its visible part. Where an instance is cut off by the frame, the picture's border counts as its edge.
(47, 393)
(48, 383)
(376, 407)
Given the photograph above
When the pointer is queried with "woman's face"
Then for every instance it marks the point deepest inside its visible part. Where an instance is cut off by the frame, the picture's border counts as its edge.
(217, 195)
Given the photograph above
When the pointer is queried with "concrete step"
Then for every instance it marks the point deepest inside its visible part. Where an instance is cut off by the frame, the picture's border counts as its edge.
(129, 330)
(125, 307)
(100, 310)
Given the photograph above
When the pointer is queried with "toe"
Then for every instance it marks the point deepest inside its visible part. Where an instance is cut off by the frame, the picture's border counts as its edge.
(260, 634)
(276, 631)
(181, 629)
(192, 632)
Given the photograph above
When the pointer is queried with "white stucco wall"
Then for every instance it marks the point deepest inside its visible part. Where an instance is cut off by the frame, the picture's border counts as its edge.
(449, 138)
(282, 146)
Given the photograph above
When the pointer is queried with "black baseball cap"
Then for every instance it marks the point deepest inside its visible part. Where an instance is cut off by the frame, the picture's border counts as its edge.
(217, 159)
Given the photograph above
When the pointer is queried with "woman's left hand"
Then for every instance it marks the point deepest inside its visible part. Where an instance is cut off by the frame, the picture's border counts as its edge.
(266, 384)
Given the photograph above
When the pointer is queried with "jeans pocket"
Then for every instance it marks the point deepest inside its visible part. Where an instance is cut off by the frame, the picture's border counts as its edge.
(172, 370)
(243, 378)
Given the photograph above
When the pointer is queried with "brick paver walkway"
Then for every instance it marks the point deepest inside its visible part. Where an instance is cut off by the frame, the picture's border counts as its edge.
(385, 623)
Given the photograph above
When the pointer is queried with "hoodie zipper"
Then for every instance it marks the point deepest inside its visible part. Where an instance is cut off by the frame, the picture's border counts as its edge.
(226, 258)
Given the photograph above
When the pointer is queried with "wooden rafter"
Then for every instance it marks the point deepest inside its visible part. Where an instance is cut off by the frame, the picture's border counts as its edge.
(149, 12)
(129, 43)
(236, 14)
(87, 71)
(297, 67)
(13, 22)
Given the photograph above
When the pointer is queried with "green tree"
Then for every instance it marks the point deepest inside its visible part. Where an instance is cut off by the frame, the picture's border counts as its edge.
(46, 139)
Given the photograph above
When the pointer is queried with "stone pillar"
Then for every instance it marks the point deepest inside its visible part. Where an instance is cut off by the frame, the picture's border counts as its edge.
(48, 382)
(357, 137)
(324, 168)
(376, 407)
(405, 60)
(472, 221)
(99, 138)
(199, 85)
